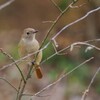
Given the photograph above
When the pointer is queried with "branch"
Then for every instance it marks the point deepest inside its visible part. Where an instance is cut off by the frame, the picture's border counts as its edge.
(19, 87)
(71, 47)
(84, 43)
(21, 59)
(78, 20)
(6, 4)
(88, 88)
(56, 6)
(55, 22)
(63, 76)
(10, 57)
(1, 78)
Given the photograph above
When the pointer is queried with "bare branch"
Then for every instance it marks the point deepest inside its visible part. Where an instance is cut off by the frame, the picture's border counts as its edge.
(94, 40)
(55, 22)
(56, 6)
(84, 43)
(78, 20)
(63, 76)
(1, 78)
(21, 59)
(77, 6)
(88, 88)
(19, 89)
(72, 47)
(10, 57)
(55, 43)
(6, 4)
(48, 22)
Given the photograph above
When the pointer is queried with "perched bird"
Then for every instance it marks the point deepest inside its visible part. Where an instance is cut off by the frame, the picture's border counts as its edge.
(27, 45)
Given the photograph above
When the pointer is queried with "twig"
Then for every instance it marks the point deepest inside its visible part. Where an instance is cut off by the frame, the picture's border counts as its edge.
(10, 57)
(56, 6)
(19, 89)
(1, 78)
(77, 6)
(55, 22)
(63, 76)
(21, 59)
(88, 88)
(48, 22)
(6, 4)
(84, 43)
(72, 46)
(94, 40)
(76, 21)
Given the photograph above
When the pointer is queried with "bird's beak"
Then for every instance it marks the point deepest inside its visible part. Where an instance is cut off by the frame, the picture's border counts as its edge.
(36, 31)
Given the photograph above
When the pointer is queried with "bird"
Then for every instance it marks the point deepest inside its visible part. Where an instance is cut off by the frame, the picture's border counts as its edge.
(29, 44)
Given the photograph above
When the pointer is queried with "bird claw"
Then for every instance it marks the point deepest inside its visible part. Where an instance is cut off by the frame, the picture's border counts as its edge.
(33, 63)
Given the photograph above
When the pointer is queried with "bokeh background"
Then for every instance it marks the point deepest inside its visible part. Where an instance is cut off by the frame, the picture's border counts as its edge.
(32, 13)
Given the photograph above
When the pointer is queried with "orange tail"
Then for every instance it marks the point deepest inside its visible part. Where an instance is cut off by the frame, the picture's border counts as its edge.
(38, 73)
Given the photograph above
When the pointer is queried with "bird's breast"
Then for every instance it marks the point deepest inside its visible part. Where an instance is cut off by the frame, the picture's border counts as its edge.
(31, 46)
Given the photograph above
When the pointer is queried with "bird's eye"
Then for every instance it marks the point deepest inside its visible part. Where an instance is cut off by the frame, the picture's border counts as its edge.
(28, 33)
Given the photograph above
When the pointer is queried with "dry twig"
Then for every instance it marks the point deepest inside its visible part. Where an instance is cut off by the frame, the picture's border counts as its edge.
(10, 57)
(1, 78)
(89, 86)
(63, 76)
(6, 4)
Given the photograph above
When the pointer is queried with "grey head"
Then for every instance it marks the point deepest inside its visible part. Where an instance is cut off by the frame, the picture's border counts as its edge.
(29, 33)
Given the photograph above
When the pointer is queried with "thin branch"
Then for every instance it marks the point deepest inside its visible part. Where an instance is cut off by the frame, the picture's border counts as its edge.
(6, 4)
(76, 21)
(19, 89)
(10, 57)
(1, 78)
(89, 86)
(20, 94)
(55, 44)
(21, 59)
(50, 29)
(77, 6)
(84, 43)
(48, 22)
(72, 46)
(63, 76)
(55, 22)
(56, 6)
(94, 40)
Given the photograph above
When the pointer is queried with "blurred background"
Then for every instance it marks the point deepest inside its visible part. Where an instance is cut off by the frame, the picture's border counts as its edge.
(33, 13)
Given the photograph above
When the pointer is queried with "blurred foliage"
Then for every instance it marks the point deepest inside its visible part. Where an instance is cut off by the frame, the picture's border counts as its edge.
(65, 63)
(14, 52)
(97, 87)
(88, 54)
(63, 4)
(2, 57)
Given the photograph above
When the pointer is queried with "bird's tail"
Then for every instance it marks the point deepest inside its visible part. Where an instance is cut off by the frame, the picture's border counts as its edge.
(38, 72)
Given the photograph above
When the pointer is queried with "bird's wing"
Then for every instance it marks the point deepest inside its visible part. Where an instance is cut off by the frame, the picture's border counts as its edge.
(21, 49)
(39, 58)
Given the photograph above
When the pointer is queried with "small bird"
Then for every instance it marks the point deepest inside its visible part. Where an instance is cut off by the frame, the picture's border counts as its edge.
(27, 45)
